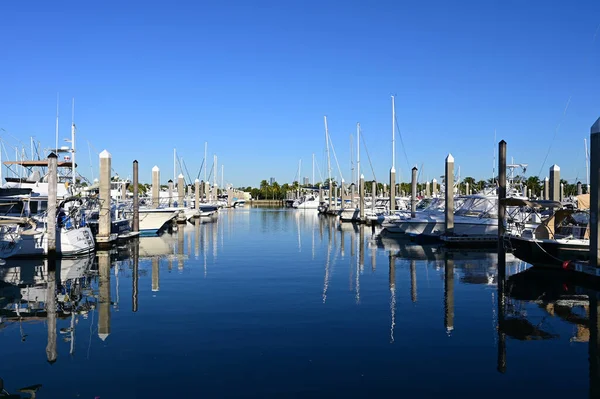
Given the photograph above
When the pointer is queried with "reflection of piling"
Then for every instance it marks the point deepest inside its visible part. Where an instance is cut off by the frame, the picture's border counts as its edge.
(104, 217)
(197, 237)
(373, 258)
(51, 353)
(449, 211)
(361, 247)
(595, 194)
(155, 274)
(413, 193)
(449, 293)
(135, 277)
(180, 242)
(136, 200)
(104, 295)
(392, 285)
(594, 346)
(413, 280)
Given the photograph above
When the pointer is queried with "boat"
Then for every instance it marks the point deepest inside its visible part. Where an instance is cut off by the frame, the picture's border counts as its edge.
(153, 220)
(310, 201)
(23, 227)
(562, 237)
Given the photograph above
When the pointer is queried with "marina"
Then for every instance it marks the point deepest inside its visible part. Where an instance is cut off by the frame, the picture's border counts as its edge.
(347, 313)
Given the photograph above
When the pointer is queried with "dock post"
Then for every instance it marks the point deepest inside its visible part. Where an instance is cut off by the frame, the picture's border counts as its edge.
(449, 293)
(392, 189)
(329, 195)
(427, 189)
(123, 191)
(373, 195)
(104, 216)
(413, 193)
(229, 197)
(467, 189)
(449, 211)
(579, 188)
(501, 195)
(136, 198)
(202, 191)
(180, 191)
(343, 195)
(413, 280)
(595, 194)
(135, 275)
(434, 187)
(554, 183)
(320, 193)
(529, 196)
(155, 186)
(562, 192)
(197, 194)
(546, 189)
(361, 199)
(103, 295)
(51, 352)
(52, 203)
(170, 185)
(524, 191)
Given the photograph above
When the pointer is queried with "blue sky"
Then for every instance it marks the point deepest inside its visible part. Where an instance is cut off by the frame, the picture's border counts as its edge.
(255, 78)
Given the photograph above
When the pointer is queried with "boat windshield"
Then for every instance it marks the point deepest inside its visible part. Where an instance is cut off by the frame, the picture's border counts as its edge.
(478, 207)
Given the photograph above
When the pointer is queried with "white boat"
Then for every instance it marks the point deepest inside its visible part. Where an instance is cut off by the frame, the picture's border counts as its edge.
(307, 202)
(27, 234)
(152, 220)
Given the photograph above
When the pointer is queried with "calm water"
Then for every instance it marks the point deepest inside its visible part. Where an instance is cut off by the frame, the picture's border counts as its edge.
(273, 303)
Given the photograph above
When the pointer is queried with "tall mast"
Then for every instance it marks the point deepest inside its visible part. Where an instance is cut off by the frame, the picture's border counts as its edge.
(215, 169)
(57, 101)
(222, 176)
(73, 145)
(328, 160)
(205, 149)
(174, 164)
(357, 153)
(312, 182)
(299, 171)
(393, 134)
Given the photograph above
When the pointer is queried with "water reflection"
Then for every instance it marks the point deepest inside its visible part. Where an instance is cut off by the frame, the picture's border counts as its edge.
(239, 290)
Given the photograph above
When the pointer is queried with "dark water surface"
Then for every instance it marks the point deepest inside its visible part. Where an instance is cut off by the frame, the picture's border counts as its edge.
(273, 303)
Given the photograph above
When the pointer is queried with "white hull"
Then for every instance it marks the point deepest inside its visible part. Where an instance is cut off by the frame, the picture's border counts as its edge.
(310, 204)
(152, 220)
(68, 243)
(436, 225)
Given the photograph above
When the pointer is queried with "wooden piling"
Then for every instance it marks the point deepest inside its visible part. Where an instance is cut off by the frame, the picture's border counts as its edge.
(595, 194)
(361, 199)
(197, 194)
(449, 211)
(180, 191)
(427, 189)
(104, 217)
(413, 193)
(392, 189)
(155, 186)
(373, 196)
(170, 190)
(52, 203)
(554, 183)
(136, 198)
(546, 189)
(501, 195)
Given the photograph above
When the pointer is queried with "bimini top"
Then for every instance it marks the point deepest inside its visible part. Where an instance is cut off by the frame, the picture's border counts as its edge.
(531, 204)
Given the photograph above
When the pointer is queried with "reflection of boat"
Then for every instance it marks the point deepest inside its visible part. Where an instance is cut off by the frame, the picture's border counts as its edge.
(156, 246)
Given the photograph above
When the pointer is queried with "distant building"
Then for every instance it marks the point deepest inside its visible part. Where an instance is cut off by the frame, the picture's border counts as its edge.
(306, 181)
(271, 181)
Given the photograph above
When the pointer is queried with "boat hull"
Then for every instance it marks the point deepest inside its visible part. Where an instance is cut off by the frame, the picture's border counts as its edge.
(549, 252)
(68, 243)
(154, 220)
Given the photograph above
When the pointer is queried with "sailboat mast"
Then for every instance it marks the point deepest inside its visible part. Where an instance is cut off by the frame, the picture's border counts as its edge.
(174, 164)
(587, 166)
(216, 170)
(57, 101)
(328, 159)
(313, 169)
(222, 176)
(73, 145)
(393, 134)
(357, 154)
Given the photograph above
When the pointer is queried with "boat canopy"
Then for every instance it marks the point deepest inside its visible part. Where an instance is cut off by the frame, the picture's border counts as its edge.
(583, 201)
(531, 204)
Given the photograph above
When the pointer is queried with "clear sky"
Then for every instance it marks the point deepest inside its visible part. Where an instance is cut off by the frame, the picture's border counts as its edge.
(255, 78)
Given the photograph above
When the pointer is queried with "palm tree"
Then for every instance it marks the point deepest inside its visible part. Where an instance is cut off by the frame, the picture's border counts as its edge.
(534, 184)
